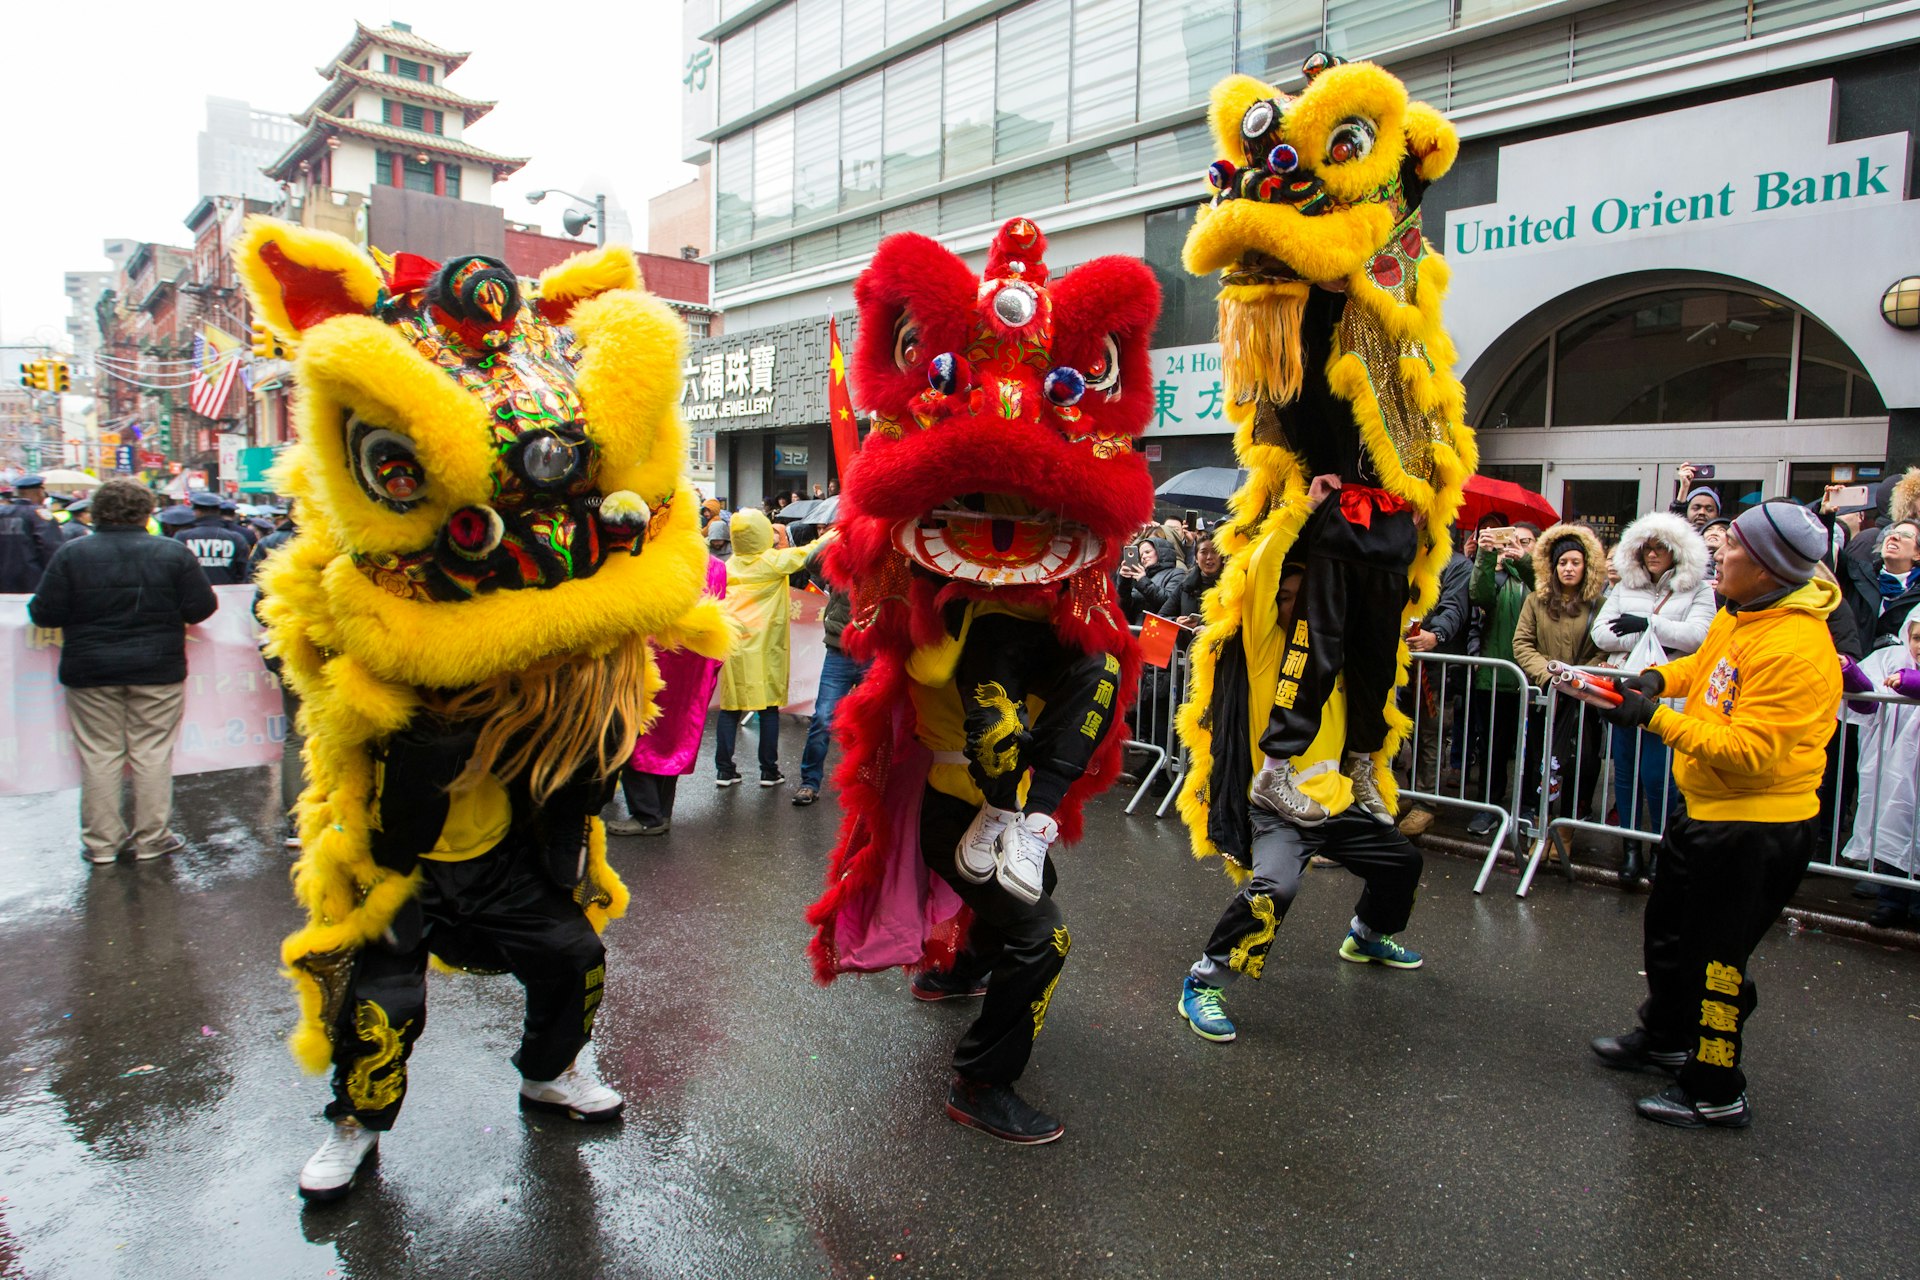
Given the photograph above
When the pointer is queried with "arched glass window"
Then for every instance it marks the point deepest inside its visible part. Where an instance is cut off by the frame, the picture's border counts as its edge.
(1685, 355)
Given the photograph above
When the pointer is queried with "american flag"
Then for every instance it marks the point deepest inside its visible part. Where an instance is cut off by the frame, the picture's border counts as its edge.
(216, 369)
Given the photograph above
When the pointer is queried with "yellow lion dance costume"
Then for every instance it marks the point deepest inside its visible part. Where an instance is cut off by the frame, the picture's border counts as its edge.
(1335, 364)
(492, 524)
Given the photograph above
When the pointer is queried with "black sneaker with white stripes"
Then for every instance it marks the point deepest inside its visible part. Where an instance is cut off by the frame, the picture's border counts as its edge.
(1631, 1052)
(1675, 1106)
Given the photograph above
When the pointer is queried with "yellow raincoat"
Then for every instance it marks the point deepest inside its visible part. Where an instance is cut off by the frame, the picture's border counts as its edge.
(756, 675)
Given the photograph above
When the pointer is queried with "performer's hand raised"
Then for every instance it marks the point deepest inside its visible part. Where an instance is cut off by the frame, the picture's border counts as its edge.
(1321, 488)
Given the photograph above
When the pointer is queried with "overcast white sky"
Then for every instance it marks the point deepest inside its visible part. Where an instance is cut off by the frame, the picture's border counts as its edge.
(103, 105)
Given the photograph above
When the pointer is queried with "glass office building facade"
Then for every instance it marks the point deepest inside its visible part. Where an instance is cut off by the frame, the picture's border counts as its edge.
(833, 123)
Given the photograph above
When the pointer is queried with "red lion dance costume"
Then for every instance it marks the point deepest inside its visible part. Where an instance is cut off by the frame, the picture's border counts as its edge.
(979, 531)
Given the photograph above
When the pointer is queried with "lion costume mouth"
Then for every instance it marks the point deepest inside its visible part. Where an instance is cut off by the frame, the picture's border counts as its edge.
(997, 540)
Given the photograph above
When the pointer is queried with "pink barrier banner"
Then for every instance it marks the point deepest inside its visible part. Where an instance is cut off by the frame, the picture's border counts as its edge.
(233, 717)
(806, 648)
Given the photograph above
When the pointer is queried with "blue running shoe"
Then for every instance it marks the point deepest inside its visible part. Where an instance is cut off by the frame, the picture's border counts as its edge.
(1382, 950)
(1200, 1006)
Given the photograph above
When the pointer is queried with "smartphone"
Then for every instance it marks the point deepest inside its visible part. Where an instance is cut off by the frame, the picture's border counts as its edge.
(1193, 521)
(1703, 471)
(1854, 495)
(1130, 555)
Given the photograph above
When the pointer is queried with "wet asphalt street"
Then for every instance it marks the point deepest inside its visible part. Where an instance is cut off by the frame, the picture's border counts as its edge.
(1445, 1122)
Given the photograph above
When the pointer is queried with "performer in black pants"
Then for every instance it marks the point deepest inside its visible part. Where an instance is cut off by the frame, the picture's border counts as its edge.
(1023, 946)
(1005, 659)
(1760, 696)
(1380, 856)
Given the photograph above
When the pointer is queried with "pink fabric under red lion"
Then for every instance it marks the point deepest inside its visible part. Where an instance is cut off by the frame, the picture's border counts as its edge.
(1000, 465)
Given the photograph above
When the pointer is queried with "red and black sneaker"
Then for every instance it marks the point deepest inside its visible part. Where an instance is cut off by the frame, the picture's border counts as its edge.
(998, 1111)
(929, 985)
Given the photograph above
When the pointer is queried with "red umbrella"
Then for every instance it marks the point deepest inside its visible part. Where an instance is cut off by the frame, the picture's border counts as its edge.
(1485, 495)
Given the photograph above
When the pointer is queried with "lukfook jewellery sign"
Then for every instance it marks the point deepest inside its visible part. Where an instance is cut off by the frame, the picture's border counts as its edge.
(735, 382)
(1767, 155)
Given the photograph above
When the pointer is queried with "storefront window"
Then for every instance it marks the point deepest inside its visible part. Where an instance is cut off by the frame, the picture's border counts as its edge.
(1807, 481)
(860, 142)
(736, 74)
(816, 158)
(733, 206)
(816, 45)
(863, 29)
(773, 175)
(1189, 305)
(773, 56)
(1525, 474)
(1522, 400)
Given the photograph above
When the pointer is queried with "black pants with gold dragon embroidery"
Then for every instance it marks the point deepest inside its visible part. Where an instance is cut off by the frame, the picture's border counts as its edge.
(497, 912)
(1008, 659)
(1346, 623)
(1377, 853)
(1023, 945)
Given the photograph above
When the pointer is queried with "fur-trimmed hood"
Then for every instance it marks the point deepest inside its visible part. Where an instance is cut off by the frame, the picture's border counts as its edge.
(1595, 584)
(1673, 532)
(1904, 502)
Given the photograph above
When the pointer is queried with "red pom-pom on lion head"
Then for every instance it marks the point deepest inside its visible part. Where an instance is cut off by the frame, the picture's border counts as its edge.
(1005, 410)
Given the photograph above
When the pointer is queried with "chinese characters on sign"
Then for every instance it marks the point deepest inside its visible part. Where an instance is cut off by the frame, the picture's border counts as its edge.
(733, 383)
(1187, 396)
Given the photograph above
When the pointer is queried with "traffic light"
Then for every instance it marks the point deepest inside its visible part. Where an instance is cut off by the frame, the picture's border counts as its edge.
(59, 376)
(33, 375)
(266, 346)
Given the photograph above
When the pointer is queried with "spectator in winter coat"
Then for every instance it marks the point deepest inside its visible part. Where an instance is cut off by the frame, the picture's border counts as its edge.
(1883, 588)
(124, 599)
(1889, 736)
(1153, 585)
(1502, 580)
(1556, 626)
(1661, 609)
(1698, 503)
(1192, 595)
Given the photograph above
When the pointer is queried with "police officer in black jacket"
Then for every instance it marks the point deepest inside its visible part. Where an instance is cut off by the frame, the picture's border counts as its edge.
(27, 540)
(222, 552)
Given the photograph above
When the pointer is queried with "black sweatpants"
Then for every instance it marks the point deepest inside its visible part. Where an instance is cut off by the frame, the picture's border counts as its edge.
(1005, 660)
(1023, 945)
(1346, 621)
(1382, 857)
(1720, 888)
(649, 795)
(495, 912)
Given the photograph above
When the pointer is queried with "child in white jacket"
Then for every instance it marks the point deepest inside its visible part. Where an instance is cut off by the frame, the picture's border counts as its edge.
(1660, 610)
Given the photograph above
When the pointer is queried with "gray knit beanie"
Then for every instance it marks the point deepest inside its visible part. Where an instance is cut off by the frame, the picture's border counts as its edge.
(1786, 538)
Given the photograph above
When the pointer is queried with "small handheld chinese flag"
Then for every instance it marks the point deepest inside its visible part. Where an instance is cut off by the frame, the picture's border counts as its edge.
(846, 431)
(1157, 636)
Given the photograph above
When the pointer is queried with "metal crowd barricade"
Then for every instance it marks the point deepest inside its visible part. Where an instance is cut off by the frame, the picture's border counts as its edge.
(1162, 692)
(1846, 812)
(1434, 672)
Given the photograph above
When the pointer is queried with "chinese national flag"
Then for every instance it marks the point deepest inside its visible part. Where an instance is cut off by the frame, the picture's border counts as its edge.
(846, 431)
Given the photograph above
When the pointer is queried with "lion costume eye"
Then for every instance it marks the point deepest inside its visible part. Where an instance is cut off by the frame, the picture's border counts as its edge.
(387, 465)
(1104, 373)
(906, 342)
(1258, 122)
(1350, 140)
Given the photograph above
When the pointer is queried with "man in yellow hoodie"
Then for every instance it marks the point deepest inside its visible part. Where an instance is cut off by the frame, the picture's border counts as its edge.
(1760, 697)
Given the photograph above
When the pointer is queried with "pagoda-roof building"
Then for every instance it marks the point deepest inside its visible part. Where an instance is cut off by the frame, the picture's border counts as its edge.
(387, 119)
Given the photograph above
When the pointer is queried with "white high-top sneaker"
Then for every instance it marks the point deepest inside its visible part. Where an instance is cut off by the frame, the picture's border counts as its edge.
(330, 1172)
(1023, 855)
(976, 858)
(577, 1092)
(1366, 789)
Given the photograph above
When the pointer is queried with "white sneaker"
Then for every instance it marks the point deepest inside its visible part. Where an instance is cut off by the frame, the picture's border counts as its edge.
(1276, 791)
(329, 1174)
(576, 1092)
(977, 856)
(1023, 855)
(1366, 789)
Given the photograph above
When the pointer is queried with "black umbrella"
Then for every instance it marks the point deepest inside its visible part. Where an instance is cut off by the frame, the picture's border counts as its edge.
(797, 512)
(1206, 488)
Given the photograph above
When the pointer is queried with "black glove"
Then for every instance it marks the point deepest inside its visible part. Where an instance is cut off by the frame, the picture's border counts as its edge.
(1634, 710)
(1628, 624)
(1648, 683)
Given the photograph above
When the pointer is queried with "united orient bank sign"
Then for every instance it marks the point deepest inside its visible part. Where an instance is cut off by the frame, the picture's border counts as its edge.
(1768, 155)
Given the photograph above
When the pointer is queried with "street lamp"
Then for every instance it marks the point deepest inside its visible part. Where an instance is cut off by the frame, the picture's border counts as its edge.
(574, 220)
